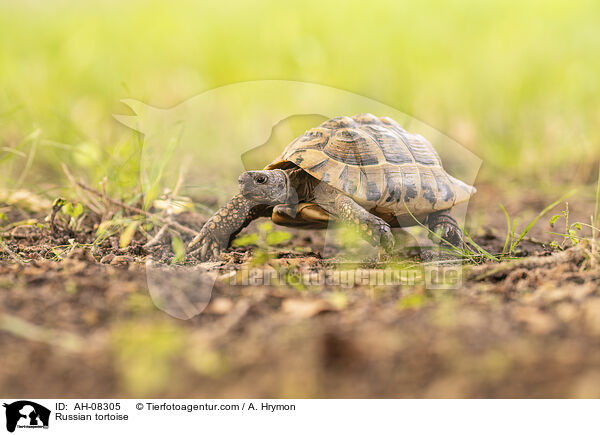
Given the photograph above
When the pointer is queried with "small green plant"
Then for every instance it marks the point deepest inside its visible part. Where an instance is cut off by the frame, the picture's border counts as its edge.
(293, 278)
(60, 252)
(73, 210)
(127, 234)
(178, 250)
(512, 240)
(265, 239)
(413, 301)
(573, 232)
(125, 227)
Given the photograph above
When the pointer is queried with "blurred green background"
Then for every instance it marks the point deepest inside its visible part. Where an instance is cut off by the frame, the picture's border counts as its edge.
(515, 82)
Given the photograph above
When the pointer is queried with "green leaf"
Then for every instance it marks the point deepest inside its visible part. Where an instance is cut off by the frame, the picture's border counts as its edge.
(77, 210)
(248, 239)
(261, 257)
(72, 210)
(554, 218)
(104, 228)
(178, 250)
(59, 203)
(412, 301)
(265, 227)
(68, 209)
(278, 237)
(127, 235)
(151, 194)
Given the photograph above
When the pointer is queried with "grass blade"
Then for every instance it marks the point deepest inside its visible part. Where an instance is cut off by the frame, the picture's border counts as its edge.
(508, 239)
(481, 251)
(512, 236)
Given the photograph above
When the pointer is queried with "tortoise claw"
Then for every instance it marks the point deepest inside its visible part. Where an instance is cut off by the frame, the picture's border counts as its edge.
(203, 252)
(210, 249)
(448, 230)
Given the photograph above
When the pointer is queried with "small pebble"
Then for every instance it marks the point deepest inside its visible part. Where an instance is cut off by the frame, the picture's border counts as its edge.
(121, 260)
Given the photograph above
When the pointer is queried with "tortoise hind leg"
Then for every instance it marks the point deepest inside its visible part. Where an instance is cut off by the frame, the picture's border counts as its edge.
(444, 225)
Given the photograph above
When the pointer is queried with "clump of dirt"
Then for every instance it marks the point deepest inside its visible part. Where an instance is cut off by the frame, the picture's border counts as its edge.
(83, 316)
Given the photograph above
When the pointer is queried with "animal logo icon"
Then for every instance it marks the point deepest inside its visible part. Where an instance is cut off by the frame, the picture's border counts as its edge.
(26, 414)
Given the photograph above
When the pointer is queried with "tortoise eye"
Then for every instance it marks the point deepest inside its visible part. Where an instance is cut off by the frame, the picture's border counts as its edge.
(261, 179)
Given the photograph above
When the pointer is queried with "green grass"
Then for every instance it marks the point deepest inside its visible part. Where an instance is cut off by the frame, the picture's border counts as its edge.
(474, 253)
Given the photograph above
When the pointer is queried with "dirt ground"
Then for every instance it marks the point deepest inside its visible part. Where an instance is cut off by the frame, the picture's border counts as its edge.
(87, 326)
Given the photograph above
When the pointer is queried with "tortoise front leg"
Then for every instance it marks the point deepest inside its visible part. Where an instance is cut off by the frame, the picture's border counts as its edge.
(444, 225)
(218, 232)
(374, 229)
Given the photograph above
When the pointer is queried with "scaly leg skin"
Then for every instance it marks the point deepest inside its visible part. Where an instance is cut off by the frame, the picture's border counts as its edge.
(218, 232)
(375, 230)
(444, 225)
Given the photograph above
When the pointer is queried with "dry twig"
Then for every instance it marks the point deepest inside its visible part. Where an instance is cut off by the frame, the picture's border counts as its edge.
(133, 209)
(10, 253)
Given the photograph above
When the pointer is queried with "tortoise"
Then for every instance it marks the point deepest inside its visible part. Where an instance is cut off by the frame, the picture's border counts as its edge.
(364, 170)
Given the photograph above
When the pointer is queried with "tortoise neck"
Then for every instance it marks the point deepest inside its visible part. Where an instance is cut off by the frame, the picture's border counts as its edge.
(300, 185)
(290, 191)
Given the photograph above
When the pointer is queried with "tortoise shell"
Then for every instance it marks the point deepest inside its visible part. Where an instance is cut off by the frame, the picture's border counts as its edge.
(377, 163)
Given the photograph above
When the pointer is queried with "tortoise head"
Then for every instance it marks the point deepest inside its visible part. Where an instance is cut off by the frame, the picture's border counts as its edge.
(269, 187)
